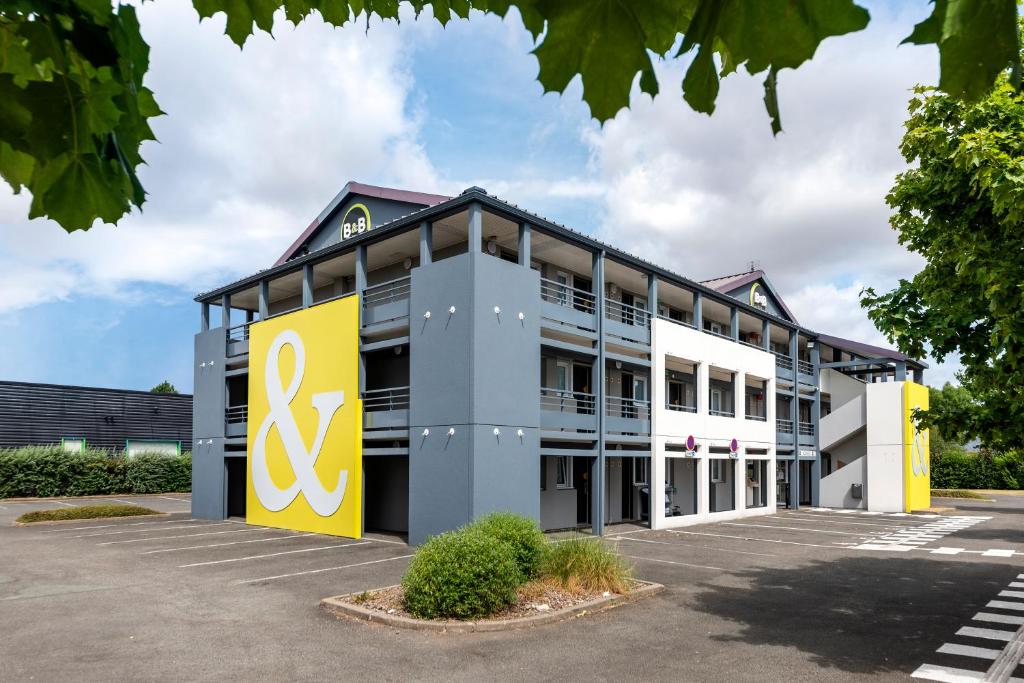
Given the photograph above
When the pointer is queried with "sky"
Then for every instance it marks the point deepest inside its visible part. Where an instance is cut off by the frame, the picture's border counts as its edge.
(257, 141)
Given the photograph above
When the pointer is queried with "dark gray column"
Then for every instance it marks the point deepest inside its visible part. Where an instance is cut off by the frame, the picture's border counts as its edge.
(698, 310)
(816, 421)
(734, 323)
(360, 291)
(204, 316)
(225, 310)
(901, 371)
(652, 294)
(525, 239)
(766, 334)
(919, 375)
(476, 228)
(307, 285)
(794, 416)
(597, 470)
(248, 316)
(426, 243)
(264, 299)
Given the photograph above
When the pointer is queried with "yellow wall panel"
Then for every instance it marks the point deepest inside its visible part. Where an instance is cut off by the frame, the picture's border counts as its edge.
(916, 457)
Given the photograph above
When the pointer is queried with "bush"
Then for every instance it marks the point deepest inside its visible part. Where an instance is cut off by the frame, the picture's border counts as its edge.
(86, 512)
(461, 574)
(587, 564)
(51, 471)
(524, 536)
(958, 469)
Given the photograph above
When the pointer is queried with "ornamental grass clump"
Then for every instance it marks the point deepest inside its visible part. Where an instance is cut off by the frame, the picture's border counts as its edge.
(463, 574)
(85, 512)
(588, 565)
(523, 535)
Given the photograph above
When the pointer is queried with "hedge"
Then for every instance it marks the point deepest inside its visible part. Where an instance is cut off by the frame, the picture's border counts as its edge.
(52, 471)
(956, 469)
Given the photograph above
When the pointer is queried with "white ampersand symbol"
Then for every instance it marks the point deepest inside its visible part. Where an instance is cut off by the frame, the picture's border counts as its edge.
(323, 502)
(918, 454)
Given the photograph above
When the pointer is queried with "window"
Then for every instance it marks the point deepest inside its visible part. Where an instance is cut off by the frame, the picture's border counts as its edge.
(73, 444)
(641, 471)
(133, 447)
(716, 400)
(563, 472)
(543, 474)
(717, 471)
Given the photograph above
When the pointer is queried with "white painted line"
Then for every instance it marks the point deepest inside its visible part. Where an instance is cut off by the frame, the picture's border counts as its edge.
(748, 538)
(120, 524)
(126, 502)
(681, 564)
(1011, 594)
(821, 518)
(999, 618)
(140, 531)
(325, 569)
(998, 552)
(384, 540)
(285, 552)
(968, 651)
(179, 500)
(793, 528)
(151, 539)
(691, 545)
(989, 633)
(871, 512)
(875, 546)
(61, 502)
(845, 512)
(947, 551)
(1016, 584)
(1003, 604)
(219, 545)
(947, 674)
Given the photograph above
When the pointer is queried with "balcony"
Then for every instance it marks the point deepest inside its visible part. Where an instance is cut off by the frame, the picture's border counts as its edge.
(806, 371)
(758, 417)
(386, 408)
(627, 322)
(236, 421)
(805, 433)
(722, 413)
(627, 415)
(677, 321)
(562, 410)
(237, 340)
(387, 305)
(783, 366)
(678, 407)
(567, 305)
(784, 431)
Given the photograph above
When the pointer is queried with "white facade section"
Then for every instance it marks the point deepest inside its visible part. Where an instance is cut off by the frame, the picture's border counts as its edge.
(885, 447)
(689, 475)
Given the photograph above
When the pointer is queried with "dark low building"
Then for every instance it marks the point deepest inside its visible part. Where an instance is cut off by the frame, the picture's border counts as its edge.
(79, 417)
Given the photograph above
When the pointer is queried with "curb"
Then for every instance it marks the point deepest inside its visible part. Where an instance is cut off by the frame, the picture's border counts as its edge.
(43, 499)
(337, 606)
(51, 522)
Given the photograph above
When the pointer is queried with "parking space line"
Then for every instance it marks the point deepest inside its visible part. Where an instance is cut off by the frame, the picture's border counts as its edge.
(325, 569)
(691, 545)
(681, 564)
(793, 528)
(748, 538)
(988, 633)
(179, 500)
(968, 651)
(822, 518)
(260, 557)
(126, 502)
(150, 539)
(105, 526)
(947, 674)
(220, 545)
(139, 531)
(61, 502)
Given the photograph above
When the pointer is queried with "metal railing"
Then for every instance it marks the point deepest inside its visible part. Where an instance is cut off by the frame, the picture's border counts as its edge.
(784, 362)
(759, 418)
(677, 321)
(680, 407)
(388, 292)
(723, 335)
(783, 426)
(236, 414)
(624, 313)
(392, 398)
(752, 345)
(616, 406)
(804, 367)
(565, 401)
(562, 294)
(238, 333)
(722, 413)
(806, 428)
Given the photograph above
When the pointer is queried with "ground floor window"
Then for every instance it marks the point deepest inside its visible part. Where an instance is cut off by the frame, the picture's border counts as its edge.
(756, 484)
(133, 447)
(563, 472)
(73, 444)
(722, 484)
(681, 486)
(641, 470)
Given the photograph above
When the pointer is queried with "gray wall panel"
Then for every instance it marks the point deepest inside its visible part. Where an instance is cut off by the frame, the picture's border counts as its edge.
(208, 476)
(209, 385)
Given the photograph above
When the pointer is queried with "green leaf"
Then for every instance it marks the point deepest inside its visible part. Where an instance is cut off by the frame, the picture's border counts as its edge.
(771, 100)
(15, 167)
(79, 190)
(241, 15)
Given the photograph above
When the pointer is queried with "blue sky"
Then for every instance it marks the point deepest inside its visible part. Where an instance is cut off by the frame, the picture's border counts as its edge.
(257, 141)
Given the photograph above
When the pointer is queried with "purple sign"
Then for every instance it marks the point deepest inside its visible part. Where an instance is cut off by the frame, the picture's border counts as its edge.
(691, 442)
(734, 445)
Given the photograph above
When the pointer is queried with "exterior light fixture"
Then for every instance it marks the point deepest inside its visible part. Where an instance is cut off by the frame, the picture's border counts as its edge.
(519, 433)
(427, 315)
(492, 246)
(497, 310)
(426, 433)
(451, 310)
(522, 316)
(451, 432)
(407, 263)
(497, 432)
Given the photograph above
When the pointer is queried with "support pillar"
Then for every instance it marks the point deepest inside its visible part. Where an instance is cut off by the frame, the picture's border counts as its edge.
(698, 310)
(307, 285)
(264, 299)
(476, 228)
(597, 474)
(204, 316)
(525, 239)
(816, 421)
(426, 243)
(225, 311)
(766, 334)
(734, 323)
(794, 416)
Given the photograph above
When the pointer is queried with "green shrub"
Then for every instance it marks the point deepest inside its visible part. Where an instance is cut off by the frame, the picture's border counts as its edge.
(587, 564)
(86, 512)
(462, 574)
(958, 469)
(51, 471)
(524, 536)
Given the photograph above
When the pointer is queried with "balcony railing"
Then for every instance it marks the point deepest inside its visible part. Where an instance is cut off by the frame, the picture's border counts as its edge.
(630, 408)
(723, 335)
(238, 333)
(784, 362)
(562, 294)
(805, 368)
(626, 314)
(565, 401)
(722, 413)
(236, 414)
(806, 428)
(392, 398)
(679, 407)
(388, 292)
(676, 321)
(759, 418)
(784, 426)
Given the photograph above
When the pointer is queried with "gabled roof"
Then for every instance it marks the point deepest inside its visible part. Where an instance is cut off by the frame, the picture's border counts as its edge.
(354, 188)
(866, 350)
(728, 283)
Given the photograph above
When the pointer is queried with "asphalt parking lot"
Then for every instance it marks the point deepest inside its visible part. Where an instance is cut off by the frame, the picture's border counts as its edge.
(806, 595)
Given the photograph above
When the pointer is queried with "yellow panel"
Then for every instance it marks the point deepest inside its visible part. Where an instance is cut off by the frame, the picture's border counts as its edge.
(305, 421)
(916, 457)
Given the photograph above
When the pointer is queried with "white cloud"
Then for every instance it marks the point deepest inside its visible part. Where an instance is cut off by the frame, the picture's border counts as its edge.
(255, 143)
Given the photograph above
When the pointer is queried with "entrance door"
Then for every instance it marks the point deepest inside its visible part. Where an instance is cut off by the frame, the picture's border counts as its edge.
(235, 472)
(581, 482)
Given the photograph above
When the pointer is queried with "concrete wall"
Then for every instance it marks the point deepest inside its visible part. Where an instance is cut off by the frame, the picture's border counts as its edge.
(557, 506)
(885, 446)
(835, 489)
(208, 474)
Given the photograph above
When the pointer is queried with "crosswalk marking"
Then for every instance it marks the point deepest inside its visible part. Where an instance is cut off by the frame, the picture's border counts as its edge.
(968, 651)
(999, 618)
(989, 633)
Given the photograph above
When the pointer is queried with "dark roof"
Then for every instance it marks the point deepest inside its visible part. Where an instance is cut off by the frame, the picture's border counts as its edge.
(866, 350)
(727, 283)
(78, 387)
(352, 187)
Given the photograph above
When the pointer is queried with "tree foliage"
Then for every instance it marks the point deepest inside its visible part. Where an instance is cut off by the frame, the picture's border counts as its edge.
(74, 111)
(962, 208)
(164, 387)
